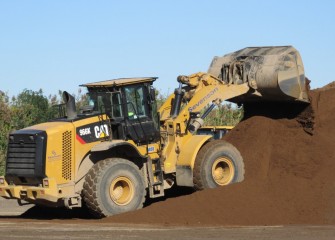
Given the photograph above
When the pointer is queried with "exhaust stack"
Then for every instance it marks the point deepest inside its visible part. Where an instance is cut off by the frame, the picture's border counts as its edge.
(70, 104)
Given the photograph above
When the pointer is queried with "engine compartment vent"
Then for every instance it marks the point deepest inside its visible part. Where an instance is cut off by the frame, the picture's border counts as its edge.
(67, 155)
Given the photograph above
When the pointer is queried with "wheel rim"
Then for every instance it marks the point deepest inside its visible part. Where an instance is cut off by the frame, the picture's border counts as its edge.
(223, 171)
(121, 191)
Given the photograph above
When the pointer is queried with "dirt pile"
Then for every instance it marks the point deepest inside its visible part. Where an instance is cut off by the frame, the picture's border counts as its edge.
(290, 176)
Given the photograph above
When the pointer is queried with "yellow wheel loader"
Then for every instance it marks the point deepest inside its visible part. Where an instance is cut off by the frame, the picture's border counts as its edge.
(120, 150)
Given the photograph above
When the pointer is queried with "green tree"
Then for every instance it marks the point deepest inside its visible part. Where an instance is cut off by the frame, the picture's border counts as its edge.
(81, 99)
(225, 115)
(29, 108)
(5, 128)
(160, 97)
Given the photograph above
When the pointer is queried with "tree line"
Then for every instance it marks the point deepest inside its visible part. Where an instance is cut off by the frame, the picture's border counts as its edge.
(33, 107)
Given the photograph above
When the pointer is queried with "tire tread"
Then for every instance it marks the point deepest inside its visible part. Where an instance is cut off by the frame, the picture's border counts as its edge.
(90, 188)
(204, 151)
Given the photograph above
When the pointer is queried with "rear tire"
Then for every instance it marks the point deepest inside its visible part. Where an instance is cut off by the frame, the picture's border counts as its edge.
(218, 163)
(113, 186)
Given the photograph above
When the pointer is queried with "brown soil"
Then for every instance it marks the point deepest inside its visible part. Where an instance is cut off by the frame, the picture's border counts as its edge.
(290, 175)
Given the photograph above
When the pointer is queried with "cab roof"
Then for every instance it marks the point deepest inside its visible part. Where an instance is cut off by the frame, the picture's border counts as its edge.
(120, 82)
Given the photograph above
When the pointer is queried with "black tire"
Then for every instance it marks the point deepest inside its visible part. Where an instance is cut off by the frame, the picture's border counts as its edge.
(113, 186)
(218, 163)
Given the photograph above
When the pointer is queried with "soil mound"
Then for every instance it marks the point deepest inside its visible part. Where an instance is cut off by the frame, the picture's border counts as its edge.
(289, 176)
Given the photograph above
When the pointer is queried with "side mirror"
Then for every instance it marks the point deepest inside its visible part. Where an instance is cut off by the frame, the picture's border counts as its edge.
(152, 94)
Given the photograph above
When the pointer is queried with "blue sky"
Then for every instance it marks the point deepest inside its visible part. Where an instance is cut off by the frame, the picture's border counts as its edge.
(58, 45)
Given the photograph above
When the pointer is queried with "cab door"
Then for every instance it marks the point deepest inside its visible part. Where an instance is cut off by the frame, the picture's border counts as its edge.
(141, 126)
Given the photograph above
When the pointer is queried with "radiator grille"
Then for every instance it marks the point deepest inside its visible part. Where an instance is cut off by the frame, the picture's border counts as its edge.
(21, 158)
(67, 155)
(26, 152)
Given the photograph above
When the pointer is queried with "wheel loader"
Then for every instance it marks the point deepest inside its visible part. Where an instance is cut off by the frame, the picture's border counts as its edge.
(120, 150)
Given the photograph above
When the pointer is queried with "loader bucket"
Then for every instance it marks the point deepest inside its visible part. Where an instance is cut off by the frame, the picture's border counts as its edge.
(272, 73)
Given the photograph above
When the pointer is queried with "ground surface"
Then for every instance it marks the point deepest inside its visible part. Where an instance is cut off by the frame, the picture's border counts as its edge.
(15, 226)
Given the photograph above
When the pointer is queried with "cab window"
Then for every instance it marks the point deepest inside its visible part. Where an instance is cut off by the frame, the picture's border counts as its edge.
(109, 103)
(136, 105)
(117, 105)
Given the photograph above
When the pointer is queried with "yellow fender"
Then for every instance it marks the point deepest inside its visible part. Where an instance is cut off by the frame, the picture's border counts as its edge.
(186, 159)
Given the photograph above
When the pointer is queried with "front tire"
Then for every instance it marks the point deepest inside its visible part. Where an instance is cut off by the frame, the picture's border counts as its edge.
(113, 186)
(218, 163)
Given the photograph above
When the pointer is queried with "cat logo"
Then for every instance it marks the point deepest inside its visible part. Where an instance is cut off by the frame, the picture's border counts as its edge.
(101, 131)
(93, 132)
